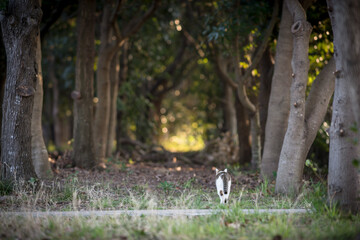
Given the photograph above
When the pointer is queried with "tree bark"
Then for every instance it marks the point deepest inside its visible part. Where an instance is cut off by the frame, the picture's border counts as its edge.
(2, 77)
(279, 102)
(243, 132)
(114, 91)
(40, 156)
(102, 115)
(266, 67)
(229, 111)
(124, 60)
(20, 28)
(305, 117)
(343, 177)
(55, 103)
(84, 151)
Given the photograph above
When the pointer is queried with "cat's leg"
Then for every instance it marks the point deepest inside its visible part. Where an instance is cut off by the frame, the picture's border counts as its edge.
(219, 196)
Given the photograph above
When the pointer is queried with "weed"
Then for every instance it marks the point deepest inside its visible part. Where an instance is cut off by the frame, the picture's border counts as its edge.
(189, 183)
(166, 186)
(6, 188)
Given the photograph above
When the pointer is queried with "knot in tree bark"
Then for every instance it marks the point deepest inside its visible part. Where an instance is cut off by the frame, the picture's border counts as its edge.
(337, 73)
(299, 27)
(341, 132)
(25, 91)
(36, 15)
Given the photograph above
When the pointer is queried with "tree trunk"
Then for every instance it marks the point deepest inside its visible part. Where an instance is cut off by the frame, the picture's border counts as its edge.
(120, 132)
(20, 28)
(266, 67)
(55, 103)
(343, 178)
(243, 132)
(279, 102)
(84, 151)
(112, 40)
(2, 78)
(114, 92)
(40, 156)
(255, 130)
(305, 117)
(254, 119)
(102, 114)
(229, 111)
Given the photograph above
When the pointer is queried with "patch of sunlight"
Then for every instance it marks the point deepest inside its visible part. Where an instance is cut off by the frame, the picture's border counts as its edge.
(183, 142)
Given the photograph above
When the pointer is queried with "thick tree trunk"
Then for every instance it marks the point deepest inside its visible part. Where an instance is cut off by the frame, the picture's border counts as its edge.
(84, 150)
(2, 78)
(266, 67)
(114, 91)
(243, 129)
(343, 177)
(40, 156)
(279, 102)
(305, 117)
(20, 28)
(102, 114)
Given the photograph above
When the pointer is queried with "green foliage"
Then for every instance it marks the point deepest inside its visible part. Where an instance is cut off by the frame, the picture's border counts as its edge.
(6, 187)
(319, 151)
(228, 18)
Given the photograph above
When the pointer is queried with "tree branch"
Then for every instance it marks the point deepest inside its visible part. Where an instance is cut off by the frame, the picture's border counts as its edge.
(220, 69)
(319, 98)
(134, 25)
(119, 3)
(260, 50)
(192, 40)
(296, 10)
(241, 89)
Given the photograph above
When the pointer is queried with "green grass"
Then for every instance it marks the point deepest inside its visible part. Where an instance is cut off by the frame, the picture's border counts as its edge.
(230, 225)
(324, 222)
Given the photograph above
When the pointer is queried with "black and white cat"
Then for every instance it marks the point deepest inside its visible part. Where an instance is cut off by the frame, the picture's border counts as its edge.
(223, 184)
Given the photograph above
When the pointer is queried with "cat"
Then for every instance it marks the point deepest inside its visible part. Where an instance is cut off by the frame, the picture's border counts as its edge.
(223, 184)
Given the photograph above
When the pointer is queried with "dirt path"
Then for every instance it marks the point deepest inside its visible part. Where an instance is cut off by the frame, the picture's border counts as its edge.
(171, 212)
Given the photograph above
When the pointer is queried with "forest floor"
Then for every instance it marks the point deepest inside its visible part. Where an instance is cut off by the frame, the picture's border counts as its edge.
(167, 186)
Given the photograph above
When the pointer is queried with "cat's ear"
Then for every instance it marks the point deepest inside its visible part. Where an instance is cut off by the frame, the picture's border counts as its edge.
(217, 170)
(225, 170)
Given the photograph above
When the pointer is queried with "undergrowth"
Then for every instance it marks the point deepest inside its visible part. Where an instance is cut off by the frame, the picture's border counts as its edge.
(323, 221)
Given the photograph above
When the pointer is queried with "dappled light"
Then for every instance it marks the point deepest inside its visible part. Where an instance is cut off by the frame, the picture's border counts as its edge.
(184, 140)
